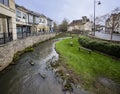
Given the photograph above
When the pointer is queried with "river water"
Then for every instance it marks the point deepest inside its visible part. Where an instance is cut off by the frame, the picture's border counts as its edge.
(23, 78)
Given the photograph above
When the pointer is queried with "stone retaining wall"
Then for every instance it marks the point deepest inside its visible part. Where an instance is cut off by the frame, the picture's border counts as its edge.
(8, 50)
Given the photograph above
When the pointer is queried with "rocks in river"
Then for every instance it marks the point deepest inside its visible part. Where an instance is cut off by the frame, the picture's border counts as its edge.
(49, 61)
(42, 75)
(67, 86)
(52, 60)
(31, 62)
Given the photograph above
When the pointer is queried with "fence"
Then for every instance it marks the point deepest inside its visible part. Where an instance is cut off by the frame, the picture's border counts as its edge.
(21, 35)
(5, 37)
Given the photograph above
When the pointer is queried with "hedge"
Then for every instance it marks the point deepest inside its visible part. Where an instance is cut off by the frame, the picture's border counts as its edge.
(102, 46)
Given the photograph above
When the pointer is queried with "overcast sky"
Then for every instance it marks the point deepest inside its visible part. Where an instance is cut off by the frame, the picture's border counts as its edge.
(70, 9)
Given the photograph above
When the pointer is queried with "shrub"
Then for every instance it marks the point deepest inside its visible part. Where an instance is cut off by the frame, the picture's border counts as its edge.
(102, 46)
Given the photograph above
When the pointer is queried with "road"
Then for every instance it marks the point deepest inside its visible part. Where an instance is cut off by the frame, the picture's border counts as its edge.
(116, 37)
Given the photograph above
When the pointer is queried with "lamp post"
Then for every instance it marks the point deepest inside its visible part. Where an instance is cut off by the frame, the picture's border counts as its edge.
(98, 2)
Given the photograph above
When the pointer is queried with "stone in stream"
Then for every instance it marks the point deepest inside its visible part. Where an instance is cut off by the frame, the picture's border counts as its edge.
(49, 61)
(53, 59)
(32, 63)
(42, 75)
(67, 86)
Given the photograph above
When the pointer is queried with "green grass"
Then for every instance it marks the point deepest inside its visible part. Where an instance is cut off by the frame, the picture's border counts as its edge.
(88, 66)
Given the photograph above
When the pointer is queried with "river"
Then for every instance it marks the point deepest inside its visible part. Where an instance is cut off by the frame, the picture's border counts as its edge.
(23, 78)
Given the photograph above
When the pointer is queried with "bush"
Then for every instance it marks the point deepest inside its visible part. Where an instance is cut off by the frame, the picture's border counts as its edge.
(102, 46)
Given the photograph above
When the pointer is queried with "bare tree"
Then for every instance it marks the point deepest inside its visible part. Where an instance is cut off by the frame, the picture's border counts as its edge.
(113, 18)
(55, 26)
(102, 19)
(63, 25)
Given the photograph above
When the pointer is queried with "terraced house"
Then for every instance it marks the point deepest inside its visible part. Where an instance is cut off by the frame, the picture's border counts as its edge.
(26, 21)
(30, 22)
(18, 22)
(7, 21)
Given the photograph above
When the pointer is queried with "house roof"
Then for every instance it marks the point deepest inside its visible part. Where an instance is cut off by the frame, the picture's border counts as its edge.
(75, 22)
(49, 19)
(22, 8)
(80, 21)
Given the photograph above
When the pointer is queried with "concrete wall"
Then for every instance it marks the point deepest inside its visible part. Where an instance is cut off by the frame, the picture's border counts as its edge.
(7, 51)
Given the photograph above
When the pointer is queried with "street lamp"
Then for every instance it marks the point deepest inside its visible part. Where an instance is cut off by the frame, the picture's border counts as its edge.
(98, 2)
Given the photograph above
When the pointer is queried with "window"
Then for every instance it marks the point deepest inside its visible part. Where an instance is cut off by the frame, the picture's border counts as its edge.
(1, 1)
(19, 30)
(40, 20)
(24, 16)
(18, 14)
(36, 21)
(44, 21)
(5, 2)
(30, 18)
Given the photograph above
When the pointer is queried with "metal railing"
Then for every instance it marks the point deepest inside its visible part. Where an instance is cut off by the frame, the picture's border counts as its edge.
(5, 37)
(21, 35)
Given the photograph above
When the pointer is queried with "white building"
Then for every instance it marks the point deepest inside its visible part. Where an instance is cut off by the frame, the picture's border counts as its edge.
(88, 26)
(83, 25)
(113, 23)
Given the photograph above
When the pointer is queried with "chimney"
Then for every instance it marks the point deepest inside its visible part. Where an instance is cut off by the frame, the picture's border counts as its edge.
(84, 19)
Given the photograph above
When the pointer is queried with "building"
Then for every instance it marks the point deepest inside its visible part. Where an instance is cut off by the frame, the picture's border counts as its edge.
(42, 26)
(22, 24)
(83, 24)
(75, 25)
(7, 20)
(113, 23)
(27, 21)
(34, 20)
(88, 26)
(50, 24)
(17, 22)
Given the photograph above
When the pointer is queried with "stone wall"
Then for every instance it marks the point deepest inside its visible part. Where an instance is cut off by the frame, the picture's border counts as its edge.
(8, 50)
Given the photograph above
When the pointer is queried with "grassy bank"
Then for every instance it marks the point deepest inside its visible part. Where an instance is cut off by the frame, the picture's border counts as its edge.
(89, 67)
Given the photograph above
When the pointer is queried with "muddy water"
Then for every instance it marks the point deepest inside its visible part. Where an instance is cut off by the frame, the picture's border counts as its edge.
(26, 79)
